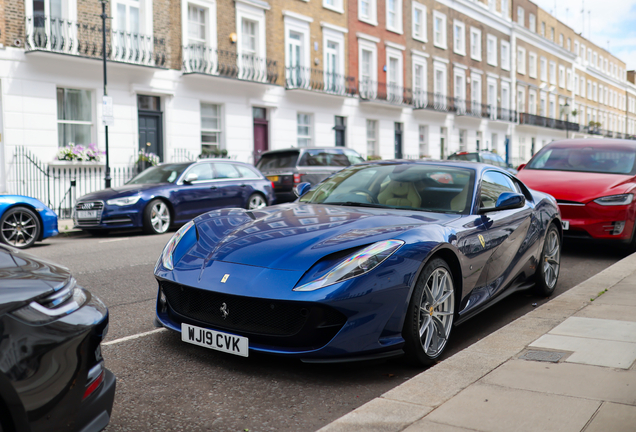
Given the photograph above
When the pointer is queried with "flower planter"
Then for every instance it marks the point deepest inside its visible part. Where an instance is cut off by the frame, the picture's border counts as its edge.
(75, 164)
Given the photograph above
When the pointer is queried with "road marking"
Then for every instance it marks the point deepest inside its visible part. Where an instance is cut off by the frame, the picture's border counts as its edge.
(113, 240)
(135, 336)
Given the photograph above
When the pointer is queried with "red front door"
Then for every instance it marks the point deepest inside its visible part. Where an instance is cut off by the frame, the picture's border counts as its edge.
(261, 143)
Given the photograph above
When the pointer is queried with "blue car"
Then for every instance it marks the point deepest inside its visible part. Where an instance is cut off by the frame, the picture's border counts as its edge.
(25, 220)
(380, 259)
(172, 194)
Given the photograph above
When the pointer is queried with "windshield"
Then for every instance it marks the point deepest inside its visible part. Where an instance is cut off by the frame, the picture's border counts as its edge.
(472, 157)
(278, 160)
(599, 159)
(166, 173)
(433, 188)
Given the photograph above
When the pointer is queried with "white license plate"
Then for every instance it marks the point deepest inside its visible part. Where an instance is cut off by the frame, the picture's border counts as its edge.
(87, 214)
(565, 224)
(228, 343)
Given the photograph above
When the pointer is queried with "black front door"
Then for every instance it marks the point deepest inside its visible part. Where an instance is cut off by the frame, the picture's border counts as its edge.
(398, 140)
(150, 133)
(341, 130)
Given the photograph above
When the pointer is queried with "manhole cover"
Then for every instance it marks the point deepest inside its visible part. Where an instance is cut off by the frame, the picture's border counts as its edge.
(544, 356)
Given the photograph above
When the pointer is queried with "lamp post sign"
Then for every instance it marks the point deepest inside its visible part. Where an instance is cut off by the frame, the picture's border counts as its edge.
(107, 111)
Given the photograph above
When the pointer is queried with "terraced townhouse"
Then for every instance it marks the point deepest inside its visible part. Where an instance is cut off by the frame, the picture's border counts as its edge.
(388, 78)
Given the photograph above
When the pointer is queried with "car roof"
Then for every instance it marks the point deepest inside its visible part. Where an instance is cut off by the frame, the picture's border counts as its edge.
(593, 141)
(475, 166)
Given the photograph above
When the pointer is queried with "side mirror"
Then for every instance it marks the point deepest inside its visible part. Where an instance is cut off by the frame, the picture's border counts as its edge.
(301, 189)
(510, 200)
(190, 177)
(520, 167)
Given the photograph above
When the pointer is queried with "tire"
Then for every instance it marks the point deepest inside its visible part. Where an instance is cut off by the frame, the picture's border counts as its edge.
(256, 201)
(19, 228)
(157, 217)
(430, 316)
(547, 274)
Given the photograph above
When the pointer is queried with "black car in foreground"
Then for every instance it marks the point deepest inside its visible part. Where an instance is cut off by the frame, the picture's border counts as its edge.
(287, 168)
(52, 374)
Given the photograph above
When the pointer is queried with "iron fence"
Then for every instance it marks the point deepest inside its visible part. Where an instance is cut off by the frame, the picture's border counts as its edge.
(385, 92)
(298, 77)
(535, 120)
(59, 186)
(45, 33)
(202, 59)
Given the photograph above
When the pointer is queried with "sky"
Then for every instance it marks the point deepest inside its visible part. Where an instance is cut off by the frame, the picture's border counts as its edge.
(609, 20)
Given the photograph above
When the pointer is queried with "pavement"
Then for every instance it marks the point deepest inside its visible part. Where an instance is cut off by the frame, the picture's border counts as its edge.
(65, 227)
(569, 365)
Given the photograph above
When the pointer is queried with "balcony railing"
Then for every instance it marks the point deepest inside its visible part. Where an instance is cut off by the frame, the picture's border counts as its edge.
(507, 115)
(378, 91)
(62, 36)
(535, 120)
(212, 61)
(298, 77)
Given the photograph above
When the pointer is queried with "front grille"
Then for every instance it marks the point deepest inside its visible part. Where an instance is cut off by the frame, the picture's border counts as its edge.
(267, 322)
(87, 206)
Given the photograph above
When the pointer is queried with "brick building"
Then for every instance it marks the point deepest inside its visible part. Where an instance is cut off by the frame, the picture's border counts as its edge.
(391, 78)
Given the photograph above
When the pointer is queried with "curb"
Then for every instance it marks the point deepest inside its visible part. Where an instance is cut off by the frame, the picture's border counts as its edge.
(417, 397)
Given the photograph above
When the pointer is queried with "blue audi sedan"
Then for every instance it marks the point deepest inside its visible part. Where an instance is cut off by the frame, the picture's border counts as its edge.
(172, 194)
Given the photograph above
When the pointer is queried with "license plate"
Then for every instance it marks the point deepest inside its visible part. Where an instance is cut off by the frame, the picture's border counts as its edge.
(565, 224)
(272, 178)
(228, 343)
(87, 214)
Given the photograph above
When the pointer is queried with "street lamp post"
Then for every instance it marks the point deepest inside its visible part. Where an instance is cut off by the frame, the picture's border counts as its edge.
(104, 18)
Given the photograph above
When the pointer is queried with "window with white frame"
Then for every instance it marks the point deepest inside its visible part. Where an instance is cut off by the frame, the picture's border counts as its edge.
(394, 15)
(249, 33)
(543, 104)
(296, 51)
(250, 28)
(419, 78)
(521, 60)
(504, 9)
(562, 76)
(423, 140)
(459, 91)
(532, 102)
(368, 11)
(582, 87)
(544, 69)
(521, 99)
(552, 34)
(568, 46)
(568, 79)
(589, 57)
(576, 85)
(532, 23)
(505, 95)
(368, 69)
(74, 117)
(543, 28)
(595, 92)
(491, 95)
(394, 73)
(521, 18)
(372, 138)
(197, 34)
(590, 95)
(532, 65)
(303, 130)
(475, 44)
(439, 83)
(553, 73)
(210, 127)
(419, 21)
(475, 92)
(491, 50)
(439, 29)
(576, 48)
(505, 55)
(334, 5)
(459, 37)
(595, 60)
(334, 61)
(552, 106)
(561, 39)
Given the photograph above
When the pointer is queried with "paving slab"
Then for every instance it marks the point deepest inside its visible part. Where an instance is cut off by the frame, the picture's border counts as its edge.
(613, 311)
(425, 425)
(490, 408)
(618, 297)
(594, 328)
(379, 415)
(591, 351)
(599, 383)
(622, 418)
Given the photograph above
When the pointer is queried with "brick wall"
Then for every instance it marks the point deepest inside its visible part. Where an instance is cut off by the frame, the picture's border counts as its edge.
(13, 22)
(226, 24)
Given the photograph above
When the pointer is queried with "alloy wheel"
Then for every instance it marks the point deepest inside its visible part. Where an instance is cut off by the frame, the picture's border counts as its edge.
(437, 308)
(19, 229)
(256, 202)
(160, 217)
(551, 259)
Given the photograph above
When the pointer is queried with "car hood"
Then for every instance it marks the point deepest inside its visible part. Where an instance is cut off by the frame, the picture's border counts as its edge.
(24, 277)
(120, 191)
(295, 236)
(576, 186)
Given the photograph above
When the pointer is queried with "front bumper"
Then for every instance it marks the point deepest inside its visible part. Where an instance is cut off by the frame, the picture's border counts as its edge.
(598, 222)
(110, 217)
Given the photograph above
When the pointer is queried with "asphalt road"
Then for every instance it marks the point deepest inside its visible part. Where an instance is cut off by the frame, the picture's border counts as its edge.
(165, 385)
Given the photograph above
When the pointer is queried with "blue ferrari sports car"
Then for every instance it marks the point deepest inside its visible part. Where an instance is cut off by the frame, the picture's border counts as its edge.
(380, 259)
(25, 220)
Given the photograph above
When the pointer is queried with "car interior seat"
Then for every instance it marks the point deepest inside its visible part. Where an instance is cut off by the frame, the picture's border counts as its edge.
(458, 203)
(401, 194)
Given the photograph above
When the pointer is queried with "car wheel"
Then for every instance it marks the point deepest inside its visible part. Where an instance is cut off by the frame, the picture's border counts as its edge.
(430, 315)
(156, 217)
(19, 227)
(547, 273)
(256, 201)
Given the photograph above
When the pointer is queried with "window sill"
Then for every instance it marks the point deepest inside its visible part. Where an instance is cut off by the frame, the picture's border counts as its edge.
(420, 39)
(440, 46)
(333, 8)
(476, 58)
(397, 31)
(460, 53)
(368, 21)
(492, 64)
(507, 69)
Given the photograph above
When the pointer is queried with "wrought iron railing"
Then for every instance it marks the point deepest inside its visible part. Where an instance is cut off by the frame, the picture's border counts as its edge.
(536, 120)
(386, 92)
(212, 61)
(298, 77)
(507, 115)
(45, 33)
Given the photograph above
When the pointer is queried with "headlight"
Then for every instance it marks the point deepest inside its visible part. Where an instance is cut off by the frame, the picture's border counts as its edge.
(355, 265)
(166, 255)
(125, 201)
(614, 200)
(53, 306)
